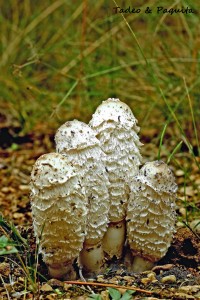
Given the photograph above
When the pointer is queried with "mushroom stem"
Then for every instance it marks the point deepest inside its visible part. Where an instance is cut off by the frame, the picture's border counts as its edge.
(62, 270)
(140, 264)
(92, 257)
(114, 238)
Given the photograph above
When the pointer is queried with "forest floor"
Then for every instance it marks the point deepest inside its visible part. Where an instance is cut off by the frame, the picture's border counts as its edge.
(176, 276)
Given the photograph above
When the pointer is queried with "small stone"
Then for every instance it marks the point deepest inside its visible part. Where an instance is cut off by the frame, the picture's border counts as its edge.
(163, 267)
(67, 286)
(129, 279)
(55, 282)
(114, 280)
(5, 190)
(46, 288)
(151, 277)
(180, 224)
(182, 211)
(100, 278)
(169, 279)
(179, 173)
(24, 188)
(21, 279)
(145, 280)
(18, 215)
(5, 269)
(90, 279)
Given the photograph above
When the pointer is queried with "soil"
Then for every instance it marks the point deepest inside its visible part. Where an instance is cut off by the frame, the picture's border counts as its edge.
(176, 276)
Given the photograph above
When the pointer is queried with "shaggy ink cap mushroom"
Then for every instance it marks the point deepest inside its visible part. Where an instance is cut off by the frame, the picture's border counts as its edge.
(115, 127)
(77, 142)
(151, 214)
(59, 208)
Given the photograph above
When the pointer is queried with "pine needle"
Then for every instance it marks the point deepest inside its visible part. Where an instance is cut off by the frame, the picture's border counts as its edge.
(109, 285)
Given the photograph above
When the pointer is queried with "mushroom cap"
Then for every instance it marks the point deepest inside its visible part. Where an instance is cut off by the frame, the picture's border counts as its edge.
(51, 169)
(74, 135)
(113, 110)
(158, 176)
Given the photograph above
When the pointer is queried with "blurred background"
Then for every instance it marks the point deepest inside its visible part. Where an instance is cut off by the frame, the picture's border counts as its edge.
(60, 59)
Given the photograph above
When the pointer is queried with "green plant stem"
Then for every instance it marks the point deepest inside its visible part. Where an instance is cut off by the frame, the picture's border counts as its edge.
(174, 151)
(161, 139)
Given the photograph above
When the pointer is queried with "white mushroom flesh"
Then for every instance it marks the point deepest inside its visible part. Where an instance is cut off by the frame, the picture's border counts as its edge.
(151, 211)
(77, 142)
(115, 127)
(59, 208)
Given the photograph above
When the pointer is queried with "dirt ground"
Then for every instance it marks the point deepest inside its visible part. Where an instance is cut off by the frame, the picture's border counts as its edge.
(176, 276)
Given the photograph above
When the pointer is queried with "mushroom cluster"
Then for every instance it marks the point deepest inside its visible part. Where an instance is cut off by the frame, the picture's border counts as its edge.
(90, 196)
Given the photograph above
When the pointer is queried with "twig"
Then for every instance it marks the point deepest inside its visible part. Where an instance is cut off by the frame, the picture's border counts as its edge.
(109, 285)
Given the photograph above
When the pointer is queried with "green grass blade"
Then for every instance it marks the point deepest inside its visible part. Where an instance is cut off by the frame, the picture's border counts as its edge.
(161, 139)
(64, 98)
(174, 151)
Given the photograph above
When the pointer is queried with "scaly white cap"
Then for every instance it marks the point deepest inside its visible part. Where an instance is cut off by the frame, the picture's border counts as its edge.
(158, 176)
(116, 111)
(74, 135)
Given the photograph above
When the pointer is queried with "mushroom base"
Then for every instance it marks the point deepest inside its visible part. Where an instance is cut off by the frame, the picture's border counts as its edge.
(114, 239)
(62, 271)
(91, 258)
(140, 264)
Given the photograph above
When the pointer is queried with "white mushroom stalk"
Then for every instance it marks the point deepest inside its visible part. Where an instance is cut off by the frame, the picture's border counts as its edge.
(115, 127)
(77, 142)
(151, 214)
(59, 208)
